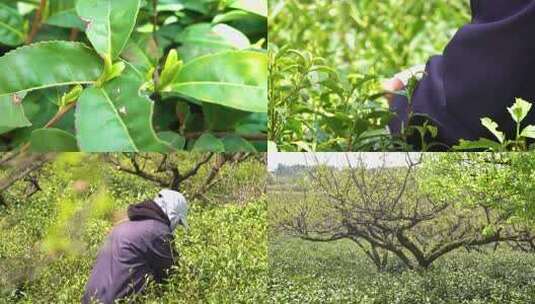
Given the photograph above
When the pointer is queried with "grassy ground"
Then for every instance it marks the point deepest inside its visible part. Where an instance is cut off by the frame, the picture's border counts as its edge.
(304, 272)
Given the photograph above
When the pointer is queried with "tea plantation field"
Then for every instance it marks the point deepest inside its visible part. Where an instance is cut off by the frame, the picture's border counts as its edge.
(305, 272)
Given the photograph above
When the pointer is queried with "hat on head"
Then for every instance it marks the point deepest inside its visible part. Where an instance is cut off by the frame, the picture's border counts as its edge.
(174, 205)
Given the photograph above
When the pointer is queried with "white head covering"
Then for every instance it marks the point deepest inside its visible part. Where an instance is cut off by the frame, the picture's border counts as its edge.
(173, 204)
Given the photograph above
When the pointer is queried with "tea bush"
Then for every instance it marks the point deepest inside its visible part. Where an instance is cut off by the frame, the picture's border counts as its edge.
(158, 75)
(326, 67)
(304, 272)
(49, 242)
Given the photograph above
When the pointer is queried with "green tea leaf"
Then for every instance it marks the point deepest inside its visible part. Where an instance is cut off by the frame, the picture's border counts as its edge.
(142, 52)
(493, 128)
(108, 23)
(259, 7)
(231, 16)
(52, 140)
(205, 38)
(519, 110)
(234, 143)
(252, 124)
(235, 79)
(11, 26)
(51, 33)
(4, 130)
(56, 6)
(48, 64)
(170, 69)
(39, 107)
(208, 143)
(201, 6)
(481, 144)
(170, 7)
(218, 118)
(63, 14)
(67, 19)
(12, 113)
(117, 117)
(176, 140)
(528, 132)
(99, 125)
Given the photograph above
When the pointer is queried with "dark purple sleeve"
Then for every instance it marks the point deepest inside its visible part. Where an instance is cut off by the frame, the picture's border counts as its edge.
(488, 63)
(160, 256)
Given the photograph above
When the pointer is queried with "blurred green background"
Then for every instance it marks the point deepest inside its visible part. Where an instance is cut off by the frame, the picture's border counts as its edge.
(361, 36)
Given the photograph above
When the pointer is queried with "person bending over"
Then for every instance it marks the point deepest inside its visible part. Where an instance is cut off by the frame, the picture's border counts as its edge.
(137, 249)
(488, 63)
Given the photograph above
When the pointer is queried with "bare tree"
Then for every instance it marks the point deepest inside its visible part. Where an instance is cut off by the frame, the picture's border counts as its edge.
(165, 170)
(174, 170)
(385, 212)
(23, 168)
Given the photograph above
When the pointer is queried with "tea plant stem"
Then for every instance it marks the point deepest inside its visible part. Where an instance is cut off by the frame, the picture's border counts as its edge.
(74, 34)
(59, 115)
(36, 24)
(350, 138)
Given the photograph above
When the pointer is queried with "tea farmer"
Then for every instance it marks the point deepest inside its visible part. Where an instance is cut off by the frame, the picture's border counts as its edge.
(137, 249)
(488, 63)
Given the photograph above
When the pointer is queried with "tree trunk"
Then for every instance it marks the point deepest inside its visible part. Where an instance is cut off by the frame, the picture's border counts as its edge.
(3, 201)
(176, 180)
(372, 251)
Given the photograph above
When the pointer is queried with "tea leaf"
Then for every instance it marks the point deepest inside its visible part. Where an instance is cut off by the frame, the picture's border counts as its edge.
(208, 142)
(110, 133)
(519, 110)
(235, 79)
(176, 140)
(11, 26)
(63, 14)
(493, 128)
(124, 117)
(259, 7)
(12, 113)
(234, 143)
(528, 132)
(205, 38)
(48, 64)
(52, 140)
(481, 144)
(142, 51)
(108, 23)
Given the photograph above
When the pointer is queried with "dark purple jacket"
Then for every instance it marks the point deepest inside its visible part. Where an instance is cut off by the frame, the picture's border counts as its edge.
(488, 63)
(135, 250)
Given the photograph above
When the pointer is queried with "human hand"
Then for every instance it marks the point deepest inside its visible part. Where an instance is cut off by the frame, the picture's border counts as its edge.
(400, 81)
(391, 86)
